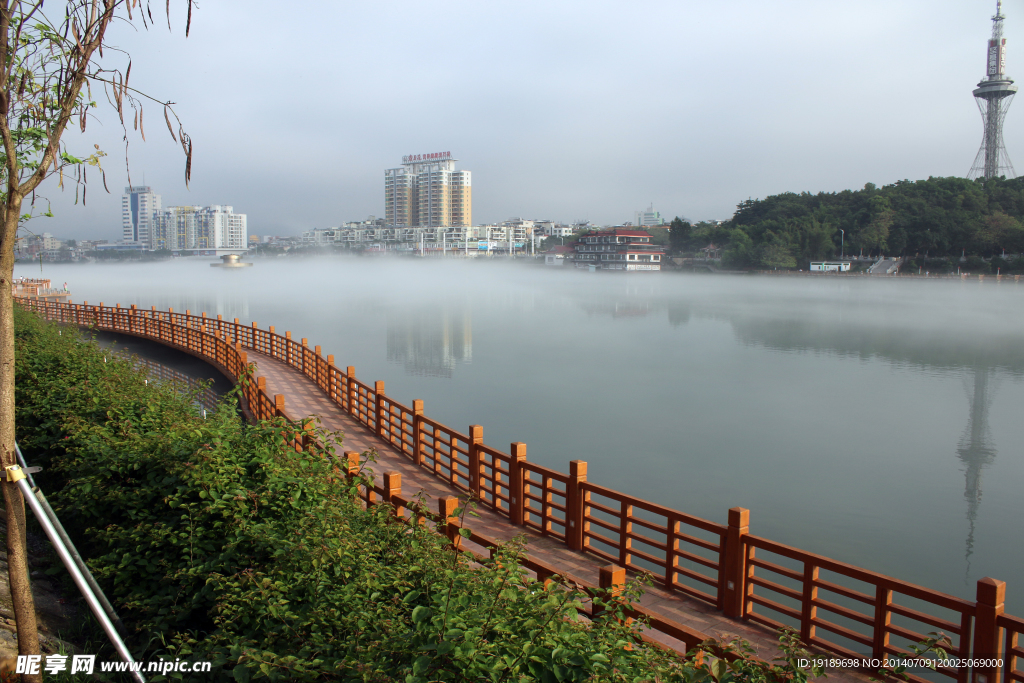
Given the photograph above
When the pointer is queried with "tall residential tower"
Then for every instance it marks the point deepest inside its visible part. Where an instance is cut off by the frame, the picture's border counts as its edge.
(138, 204)
(427, 191)
(994, 95)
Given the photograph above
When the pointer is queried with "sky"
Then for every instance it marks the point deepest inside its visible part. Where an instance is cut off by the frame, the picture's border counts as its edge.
(563, 109)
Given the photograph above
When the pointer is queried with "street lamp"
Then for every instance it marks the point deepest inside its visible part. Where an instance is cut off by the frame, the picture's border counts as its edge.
(842, 243)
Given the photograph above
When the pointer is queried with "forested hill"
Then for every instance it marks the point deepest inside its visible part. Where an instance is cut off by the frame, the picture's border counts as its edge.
(939, 217)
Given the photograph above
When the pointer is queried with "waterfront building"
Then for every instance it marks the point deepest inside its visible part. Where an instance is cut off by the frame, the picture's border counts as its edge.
(830, 266)
(617, 249)
(174, 228)
(219, 227)
(427, 191)
(552, 229)
(138, 206)
(200, 229)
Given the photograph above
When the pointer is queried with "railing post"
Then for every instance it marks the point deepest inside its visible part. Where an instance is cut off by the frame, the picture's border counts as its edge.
(735, 565)
(610, 578)
(278, 405)
(332, 386)
(392, 488)
(987, 643)
(417, 431)
(883, 617)
(476, 439)
(351, 463)
(446, 507)
(574, 499)
(352, 470)
(353, 406)
(378, 409)
(305, 352)
(808, 611)
(516, 487)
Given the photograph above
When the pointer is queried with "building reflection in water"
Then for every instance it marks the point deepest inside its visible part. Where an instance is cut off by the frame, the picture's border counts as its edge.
(430, 341)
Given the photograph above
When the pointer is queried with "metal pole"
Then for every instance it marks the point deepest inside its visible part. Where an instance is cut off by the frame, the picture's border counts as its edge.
(16, 475)
(75, 555)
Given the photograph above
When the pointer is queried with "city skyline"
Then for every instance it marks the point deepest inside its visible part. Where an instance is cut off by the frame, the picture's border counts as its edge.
(580, 121)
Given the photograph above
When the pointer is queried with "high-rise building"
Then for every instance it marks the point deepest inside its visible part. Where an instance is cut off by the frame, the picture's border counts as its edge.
(138, 204)
(994, 95)
(174, 227)
(193, 227)
(219, 227)
(427, 191)
(649, 218)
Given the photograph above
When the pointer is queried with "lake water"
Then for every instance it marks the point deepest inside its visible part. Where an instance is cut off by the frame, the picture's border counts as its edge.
(875, 421)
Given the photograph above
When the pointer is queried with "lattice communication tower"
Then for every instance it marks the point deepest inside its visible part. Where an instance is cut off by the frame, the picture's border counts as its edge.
(993, 96)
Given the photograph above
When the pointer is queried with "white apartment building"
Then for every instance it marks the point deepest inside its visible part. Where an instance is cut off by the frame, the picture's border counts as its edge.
(138, 205)
(219, 227)
(174, 228)
(194, 228)
(553, 229)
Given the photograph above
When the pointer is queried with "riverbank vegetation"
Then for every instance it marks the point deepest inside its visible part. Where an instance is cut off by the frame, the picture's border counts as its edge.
(938, 221)
(217, 542)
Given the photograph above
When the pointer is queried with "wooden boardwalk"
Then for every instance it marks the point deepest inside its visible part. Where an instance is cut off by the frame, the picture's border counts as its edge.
(303, 399)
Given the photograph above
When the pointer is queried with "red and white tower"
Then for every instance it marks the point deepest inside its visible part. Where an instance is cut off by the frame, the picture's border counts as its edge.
(994, 95)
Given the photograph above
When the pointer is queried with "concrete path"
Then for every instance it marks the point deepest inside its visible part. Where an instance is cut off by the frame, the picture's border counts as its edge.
(303, 399)
(883, 267)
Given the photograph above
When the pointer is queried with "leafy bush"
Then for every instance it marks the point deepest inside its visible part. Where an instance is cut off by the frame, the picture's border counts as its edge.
(216, 541)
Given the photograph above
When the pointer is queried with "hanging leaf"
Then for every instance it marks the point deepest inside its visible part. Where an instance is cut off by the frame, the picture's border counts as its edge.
(168, 120)
(142, 130)
(186, 144)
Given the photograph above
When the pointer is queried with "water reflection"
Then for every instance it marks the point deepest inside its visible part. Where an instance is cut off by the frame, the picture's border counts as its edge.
(947, 351)
(430, 341)
(975, 450)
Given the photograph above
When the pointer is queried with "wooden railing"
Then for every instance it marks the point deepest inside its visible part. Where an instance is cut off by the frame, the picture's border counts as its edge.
(837, 607)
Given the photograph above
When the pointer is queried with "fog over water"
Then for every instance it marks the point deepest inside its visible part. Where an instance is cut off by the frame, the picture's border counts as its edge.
(874, 421)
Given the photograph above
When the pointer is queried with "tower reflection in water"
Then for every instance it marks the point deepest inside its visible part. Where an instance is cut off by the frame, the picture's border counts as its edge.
(975, 449)
(430, 341)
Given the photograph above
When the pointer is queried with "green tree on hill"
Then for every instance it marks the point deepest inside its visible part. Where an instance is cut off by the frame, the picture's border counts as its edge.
(940, 217)
(679, 234)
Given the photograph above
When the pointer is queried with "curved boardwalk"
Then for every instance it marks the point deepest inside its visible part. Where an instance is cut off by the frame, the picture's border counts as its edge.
(304, 399)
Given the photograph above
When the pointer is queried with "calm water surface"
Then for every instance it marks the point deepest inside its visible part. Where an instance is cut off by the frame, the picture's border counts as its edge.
(877, 422)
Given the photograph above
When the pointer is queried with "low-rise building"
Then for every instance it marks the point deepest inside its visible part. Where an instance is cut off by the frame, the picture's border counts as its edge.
(617, 249)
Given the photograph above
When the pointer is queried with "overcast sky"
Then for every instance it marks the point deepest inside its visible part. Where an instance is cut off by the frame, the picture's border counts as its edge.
(562, 109)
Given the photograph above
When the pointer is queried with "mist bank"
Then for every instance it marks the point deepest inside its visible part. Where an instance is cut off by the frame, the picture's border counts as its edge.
(827, 406)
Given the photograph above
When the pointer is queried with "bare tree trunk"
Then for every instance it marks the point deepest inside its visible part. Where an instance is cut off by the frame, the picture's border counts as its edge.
(17, 551)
